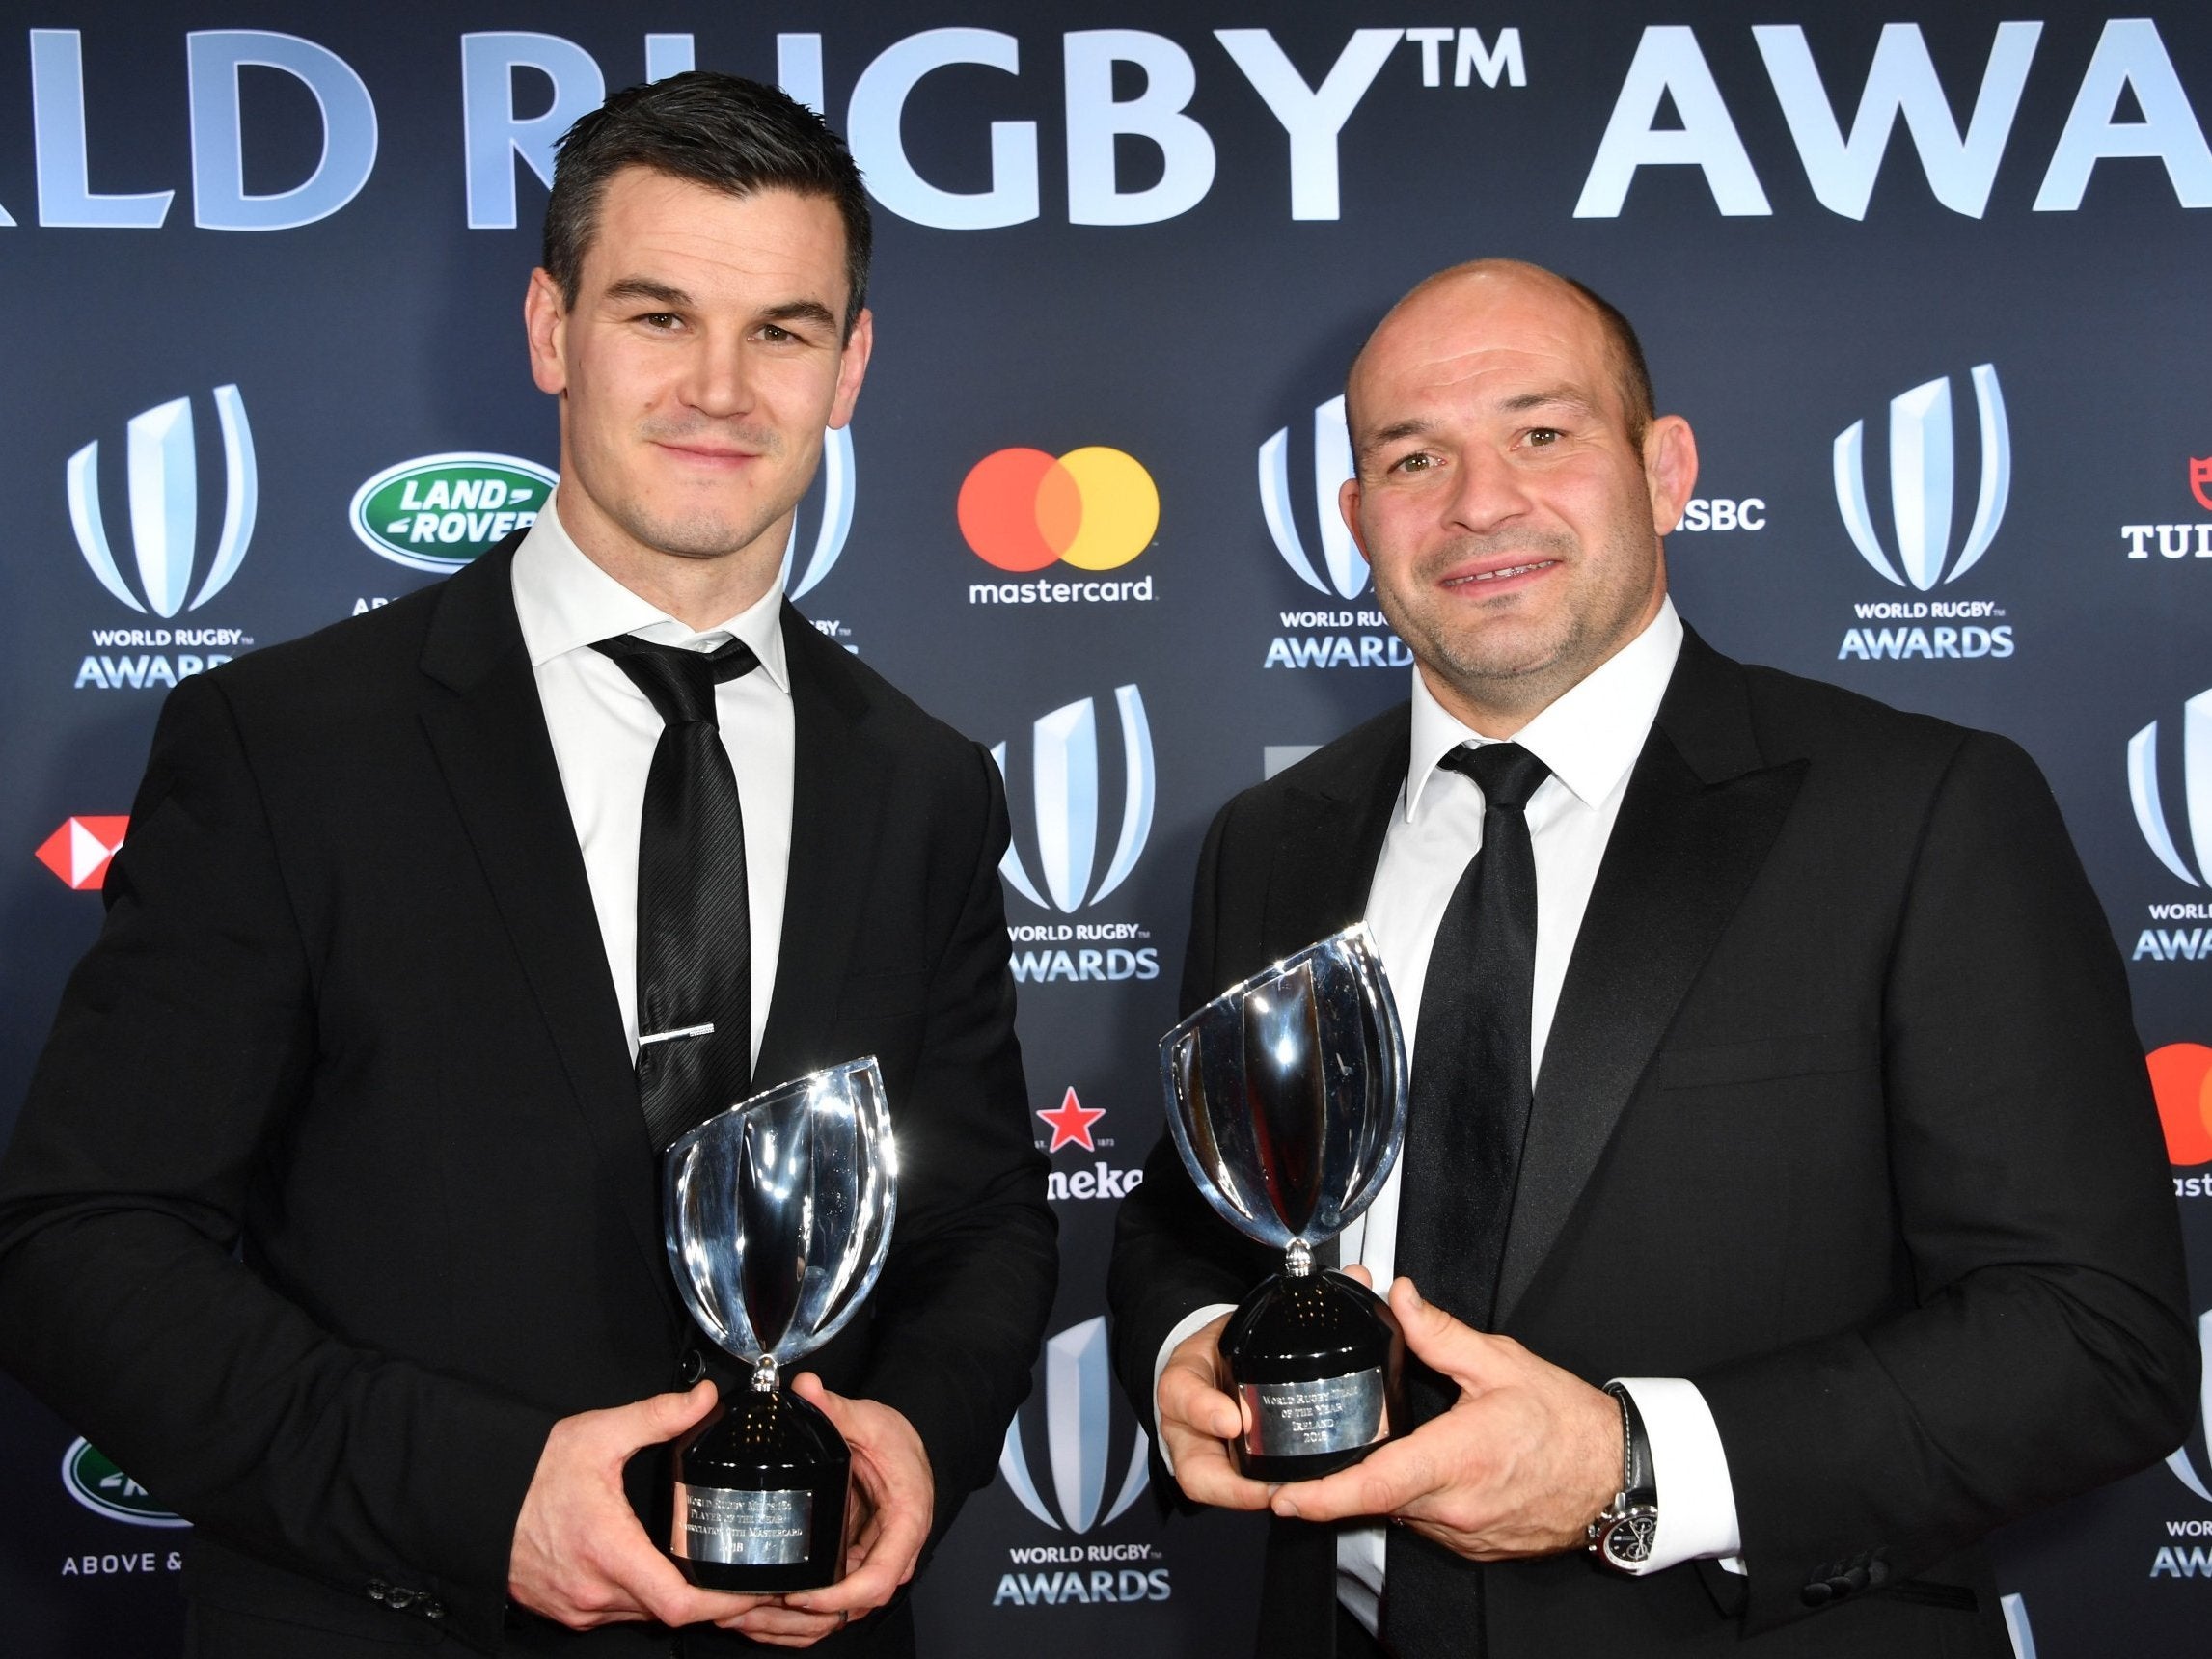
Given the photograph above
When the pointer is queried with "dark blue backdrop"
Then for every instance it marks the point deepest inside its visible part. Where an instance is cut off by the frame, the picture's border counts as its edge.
(262, 254)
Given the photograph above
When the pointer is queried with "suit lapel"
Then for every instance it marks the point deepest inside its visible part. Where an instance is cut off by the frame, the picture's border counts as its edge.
(1701, 812)
(496, 754)
(837, 790)
(1334, 817)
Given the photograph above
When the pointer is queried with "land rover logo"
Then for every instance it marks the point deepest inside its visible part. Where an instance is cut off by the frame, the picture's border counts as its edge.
(106, 1490)
(438, 512)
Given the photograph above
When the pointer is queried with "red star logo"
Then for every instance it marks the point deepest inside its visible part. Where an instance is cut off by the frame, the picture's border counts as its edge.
(1070, 1124)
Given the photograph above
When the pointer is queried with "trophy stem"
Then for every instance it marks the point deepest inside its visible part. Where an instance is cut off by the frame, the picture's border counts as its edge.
(764, 1377)
(1298, 1260)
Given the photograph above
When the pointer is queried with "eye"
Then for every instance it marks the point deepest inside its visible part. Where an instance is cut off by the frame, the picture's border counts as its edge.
(1543, 437)
(1420, 461)
(776, 335)
(662, 322)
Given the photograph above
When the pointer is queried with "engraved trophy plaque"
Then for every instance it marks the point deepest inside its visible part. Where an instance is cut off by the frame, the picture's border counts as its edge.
(778, 1215)
(1287, 1096)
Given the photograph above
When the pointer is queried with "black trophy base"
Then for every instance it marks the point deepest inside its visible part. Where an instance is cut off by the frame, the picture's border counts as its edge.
(760, 1494)
(1317, 1362)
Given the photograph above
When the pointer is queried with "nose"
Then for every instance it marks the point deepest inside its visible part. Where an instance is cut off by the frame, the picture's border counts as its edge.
(1487, 495)
(718, 380)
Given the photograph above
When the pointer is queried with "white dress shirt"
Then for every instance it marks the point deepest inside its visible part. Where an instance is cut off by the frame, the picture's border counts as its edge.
(1590, 739)
(604, 733)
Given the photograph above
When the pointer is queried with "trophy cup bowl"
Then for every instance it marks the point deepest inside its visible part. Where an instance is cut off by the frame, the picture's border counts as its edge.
(778, 1215)
(1286, 1096)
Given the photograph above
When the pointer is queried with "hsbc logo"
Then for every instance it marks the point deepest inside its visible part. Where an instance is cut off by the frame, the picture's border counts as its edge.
(1082, 1424)
(1921, 482)
(2142, 790)
(80, 850)
(835, 486)
(1341, 571)
(1064, 799)
(2182, 1459)
(162, 467)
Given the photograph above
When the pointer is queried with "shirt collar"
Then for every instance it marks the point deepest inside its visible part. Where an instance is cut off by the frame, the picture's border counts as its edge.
(1589, 737)
(564, 603)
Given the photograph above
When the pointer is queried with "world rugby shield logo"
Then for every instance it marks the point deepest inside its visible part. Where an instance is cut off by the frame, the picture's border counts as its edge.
(1922, 457)
(1064, 795)
(1079, 1433)
(834, 486)
(2182, 1459)
(2197, 790)
(1342, 570)
(161, 463)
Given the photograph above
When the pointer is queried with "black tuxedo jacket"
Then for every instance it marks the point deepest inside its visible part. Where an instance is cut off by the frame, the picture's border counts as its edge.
(332, 1191)
(1841, 1116)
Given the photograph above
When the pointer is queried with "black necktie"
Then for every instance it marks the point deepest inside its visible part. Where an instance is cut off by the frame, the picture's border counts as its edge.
(1468, 1117)
(695, 934)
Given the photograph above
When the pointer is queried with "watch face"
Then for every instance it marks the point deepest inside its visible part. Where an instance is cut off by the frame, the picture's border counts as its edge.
(1629, 1539)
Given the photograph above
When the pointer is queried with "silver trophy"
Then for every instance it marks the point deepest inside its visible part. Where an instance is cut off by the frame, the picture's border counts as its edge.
(1287, 1098)
(778, 1213)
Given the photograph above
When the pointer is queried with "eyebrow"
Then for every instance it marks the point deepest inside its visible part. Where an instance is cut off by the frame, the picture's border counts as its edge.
(645, 289)
(662, 294)
(1561, 397)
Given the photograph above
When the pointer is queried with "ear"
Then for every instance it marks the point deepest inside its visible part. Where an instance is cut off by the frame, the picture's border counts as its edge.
(853, 366)
(1347, 500)
(545, 319)
(1670, 470)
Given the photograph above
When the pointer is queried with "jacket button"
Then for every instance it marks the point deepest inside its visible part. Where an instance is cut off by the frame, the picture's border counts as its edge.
(434, 1610)
(1817, 1595)
(378, 1590)
(1857, 1578)
(691, 1368)
(401, 1599)
(1877, 1571)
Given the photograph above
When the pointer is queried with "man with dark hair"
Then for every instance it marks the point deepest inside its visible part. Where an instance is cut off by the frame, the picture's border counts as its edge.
(1782, 1202)
(333, 1215)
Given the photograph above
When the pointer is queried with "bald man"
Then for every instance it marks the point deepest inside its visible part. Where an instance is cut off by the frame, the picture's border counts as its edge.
(1783, 1203)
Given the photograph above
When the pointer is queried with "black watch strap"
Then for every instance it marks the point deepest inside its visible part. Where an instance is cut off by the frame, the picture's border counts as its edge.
(1623, 1536)
(1638, 1484)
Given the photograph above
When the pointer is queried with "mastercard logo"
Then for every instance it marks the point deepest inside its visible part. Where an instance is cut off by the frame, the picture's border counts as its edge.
(1094, 508)
(2181, 1076)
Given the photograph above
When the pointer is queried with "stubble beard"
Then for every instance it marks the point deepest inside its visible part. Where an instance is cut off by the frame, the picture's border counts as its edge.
(706, 533)
(1496, 663)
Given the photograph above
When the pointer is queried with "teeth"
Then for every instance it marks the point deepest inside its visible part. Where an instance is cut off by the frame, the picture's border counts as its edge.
(1514, 570)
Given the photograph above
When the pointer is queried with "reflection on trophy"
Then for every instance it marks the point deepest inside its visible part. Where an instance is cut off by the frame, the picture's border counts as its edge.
(1287, 1098)
(779, 1213)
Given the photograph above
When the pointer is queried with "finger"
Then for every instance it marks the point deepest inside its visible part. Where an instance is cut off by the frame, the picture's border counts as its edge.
(652, 1581)
(661, 1417)
(889, 1547)
(1187, 1396)
(1439, 1341)
(1356, 1272)
(1401, 1473)
(785, 1627)
(1208, 1475)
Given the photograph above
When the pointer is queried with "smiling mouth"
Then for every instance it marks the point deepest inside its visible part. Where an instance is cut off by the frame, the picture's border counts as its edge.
(1501, 574)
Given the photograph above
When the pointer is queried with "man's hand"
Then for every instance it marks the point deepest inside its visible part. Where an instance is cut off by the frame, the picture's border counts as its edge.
(894, 1498)
(1197, 1421)
(1519, 1466)
(580, 1555)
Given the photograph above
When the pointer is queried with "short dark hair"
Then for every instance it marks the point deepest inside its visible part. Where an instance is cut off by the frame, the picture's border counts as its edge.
(723, 131)
(1629, 368)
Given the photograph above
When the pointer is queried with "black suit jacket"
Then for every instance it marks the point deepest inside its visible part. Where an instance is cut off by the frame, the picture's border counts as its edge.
(1843, 1116)
(332, 1191)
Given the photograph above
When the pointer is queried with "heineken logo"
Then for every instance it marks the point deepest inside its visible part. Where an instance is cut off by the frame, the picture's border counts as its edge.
(439, 513)
(106, 1490)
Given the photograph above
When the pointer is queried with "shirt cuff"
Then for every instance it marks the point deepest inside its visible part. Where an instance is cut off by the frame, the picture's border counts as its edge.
(1696, 1500)
(1190, 1324)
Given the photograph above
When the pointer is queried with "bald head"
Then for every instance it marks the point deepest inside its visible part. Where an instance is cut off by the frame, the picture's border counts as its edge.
(1484, 283)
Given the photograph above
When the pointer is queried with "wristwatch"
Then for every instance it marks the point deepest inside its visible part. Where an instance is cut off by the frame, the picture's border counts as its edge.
(1622, 1536)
